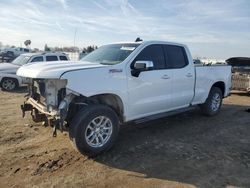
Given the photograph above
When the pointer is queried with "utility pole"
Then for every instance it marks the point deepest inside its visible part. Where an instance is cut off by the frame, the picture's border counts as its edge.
(75, 38)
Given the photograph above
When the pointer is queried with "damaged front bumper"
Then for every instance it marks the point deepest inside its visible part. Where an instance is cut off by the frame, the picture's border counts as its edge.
(47, 104)
(54, 118)
(31, 104)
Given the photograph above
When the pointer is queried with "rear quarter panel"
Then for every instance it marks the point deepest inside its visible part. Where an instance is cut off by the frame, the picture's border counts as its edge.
(206, 76)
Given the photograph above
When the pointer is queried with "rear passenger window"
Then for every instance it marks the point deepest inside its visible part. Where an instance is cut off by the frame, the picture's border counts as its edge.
(51, 58)
(63, 58)
(175, 56)
(152, 53)
(37, 59)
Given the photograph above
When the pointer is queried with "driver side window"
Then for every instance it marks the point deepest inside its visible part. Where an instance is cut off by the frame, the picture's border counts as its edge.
(152, 53)
(37, 59)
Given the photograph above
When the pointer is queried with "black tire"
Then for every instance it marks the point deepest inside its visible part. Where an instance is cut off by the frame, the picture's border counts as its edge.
(6, 81)
(81, 121)
(208, 108)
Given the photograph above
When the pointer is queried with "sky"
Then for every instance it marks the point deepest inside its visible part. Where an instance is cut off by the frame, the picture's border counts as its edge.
(213, 29)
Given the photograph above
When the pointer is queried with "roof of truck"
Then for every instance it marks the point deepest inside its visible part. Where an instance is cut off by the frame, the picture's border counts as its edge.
(44, 53)
(149, 42)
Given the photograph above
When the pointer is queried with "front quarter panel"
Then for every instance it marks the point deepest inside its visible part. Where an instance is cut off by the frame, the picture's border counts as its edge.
(101, 80)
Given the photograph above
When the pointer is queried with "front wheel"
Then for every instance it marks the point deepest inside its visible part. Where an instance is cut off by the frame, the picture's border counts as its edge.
(9, 84)
(213, 103)
(94, 129)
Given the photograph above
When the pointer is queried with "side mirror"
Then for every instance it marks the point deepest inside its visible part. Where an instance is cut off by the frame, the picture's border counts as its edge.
(140, 66)
(143, 65)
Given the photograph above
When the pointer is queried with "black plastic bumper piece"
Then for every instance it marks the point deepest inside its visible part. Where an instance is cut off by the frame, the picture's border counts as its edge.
(26, 107)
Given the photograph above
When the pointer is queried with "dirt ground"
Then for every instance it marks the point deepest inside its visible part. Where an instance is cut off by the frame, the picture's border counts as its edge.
(186, 150)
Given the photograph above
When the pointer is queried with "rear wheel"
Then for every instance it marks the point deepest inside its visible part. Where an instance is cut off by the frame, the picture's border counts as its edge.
(213, 103)
(9, 84)
(94, 129)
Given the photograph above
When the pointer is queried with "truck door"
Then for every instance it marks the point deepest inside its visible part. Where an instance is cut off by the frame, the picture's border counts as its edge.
(151, 91)
(183, 75)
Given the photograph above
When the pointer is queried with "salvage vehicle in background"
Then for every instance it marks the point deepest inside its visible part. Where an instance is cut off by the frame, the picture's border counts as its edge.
(8, 78)
(118, 83)
(9, 54)
(240, 73)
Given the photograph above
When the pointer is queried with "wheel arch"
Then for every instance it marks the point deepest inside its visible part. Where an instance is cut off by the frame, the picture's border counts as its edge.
(109, 99)
(220, 85)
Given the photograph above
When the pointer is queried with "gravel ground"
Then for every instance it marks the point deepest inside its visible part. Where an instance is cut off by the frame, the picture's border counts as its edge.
(186, 150)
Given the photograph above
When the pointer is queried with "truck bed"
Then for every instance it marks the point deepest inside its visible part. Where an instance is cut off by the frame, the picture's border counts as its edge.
(206, 76)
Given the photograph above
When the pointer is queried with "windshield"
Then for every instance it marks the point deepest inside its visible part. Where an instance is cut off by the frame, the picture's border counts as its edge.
(21, 60)
(111, 54)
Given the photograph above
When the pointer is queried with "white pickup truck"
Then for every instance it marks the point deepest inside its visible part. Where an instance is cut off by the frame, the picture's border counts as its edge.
(121, 82)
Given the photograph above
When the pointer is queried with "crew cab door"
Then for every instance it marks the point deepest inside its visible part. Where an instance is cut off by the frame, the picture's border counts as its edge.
(151, 91)
(183, 75)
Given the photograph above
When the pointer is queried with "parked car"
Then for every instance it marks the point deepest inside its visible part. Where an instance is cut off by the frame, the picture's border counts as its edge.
(118, 83)
(9, 54)
(17, 50)
(8, 78)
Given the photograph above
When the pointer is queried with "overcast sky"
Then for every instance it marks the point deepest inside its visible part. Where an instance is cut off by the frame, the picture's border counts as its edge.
(215, 28)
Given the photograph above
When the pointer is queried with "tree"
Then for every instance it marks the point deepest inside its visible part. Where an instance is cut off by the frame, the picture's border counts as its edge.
(46, 48)
(27, 43)
(89, 49)
(58, 49)
(36, 50)
(138, 39)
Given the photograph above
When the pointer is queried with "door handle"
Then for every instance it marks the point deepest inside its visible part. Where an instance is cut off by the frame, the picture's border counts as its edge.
(189, 75)
(165, 77)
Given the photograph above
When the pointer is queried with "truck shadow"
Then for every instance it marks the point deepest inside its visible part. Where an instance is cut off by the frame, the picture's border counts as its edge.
(187, 148)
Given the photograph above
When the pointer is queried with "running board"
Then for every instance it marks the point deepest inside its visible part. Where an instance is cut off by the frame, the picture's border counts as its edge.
(164, 114)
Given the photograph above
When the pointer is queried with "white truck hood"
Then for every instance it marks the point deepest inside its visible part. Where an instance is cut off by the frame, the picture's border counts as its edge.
(8, 68)
(53, 69)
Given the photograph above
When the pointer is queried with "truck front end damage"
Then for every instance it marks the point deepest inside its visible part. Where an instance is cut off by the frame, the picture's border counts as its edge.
(48, 101)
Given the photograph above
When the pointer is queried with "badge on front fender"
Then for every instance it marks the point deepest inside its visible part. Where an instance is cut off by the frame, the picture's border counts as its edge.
(115, 70)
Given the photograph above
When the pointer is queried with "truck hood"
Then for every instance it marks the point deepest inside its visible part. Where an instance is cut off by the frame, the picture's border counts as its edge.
(54, 69)
(8, 68)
